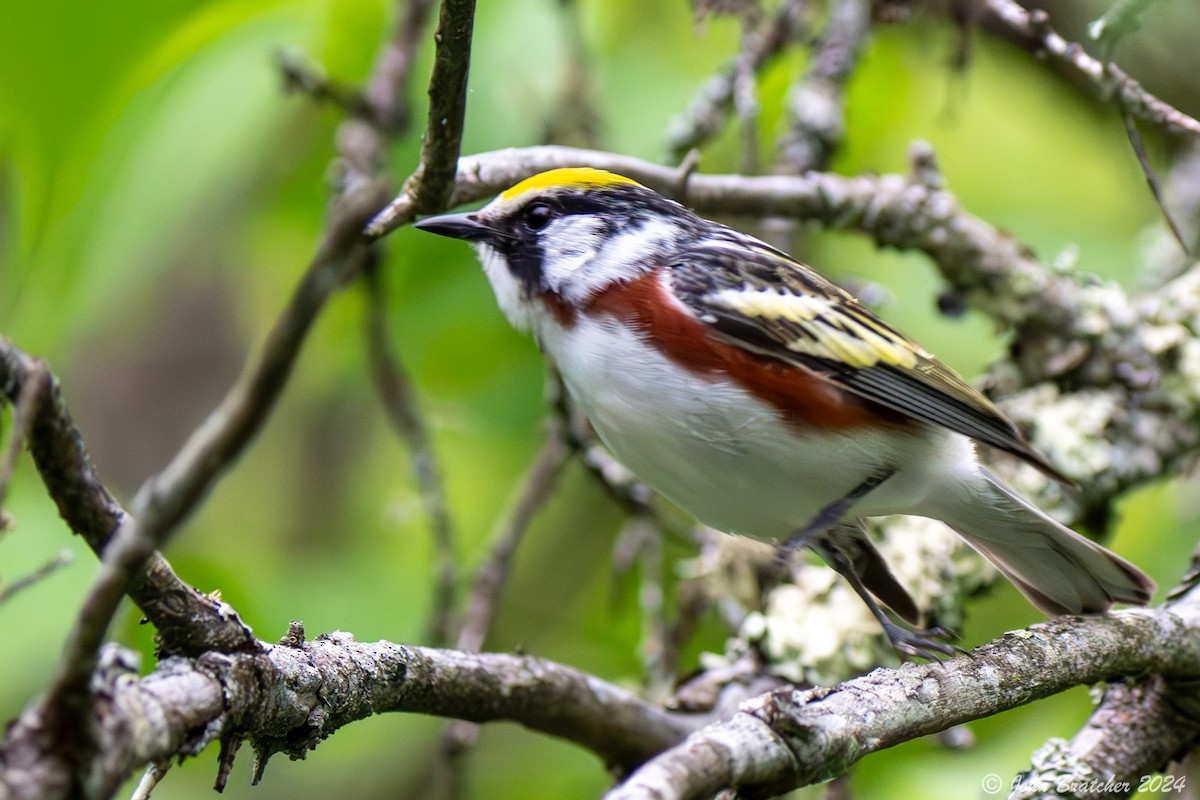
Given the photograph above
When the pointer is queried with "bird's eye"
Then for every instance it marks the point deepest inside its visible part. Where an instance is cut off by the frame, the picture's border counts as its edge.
(537, 216)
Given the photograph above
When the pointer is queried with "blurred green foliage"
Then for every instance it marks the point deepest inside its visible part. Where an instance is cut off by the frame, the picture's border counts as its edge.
(160, 194)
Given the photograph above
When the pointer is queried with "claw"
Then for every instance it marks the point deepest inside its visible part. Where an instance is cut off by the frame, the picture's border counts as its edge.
(919, 643)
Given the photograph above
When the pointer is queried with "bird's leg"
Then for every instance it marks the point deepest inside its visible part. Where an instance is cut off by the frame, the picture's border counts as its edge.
(832, 514)
(812, 533)
(851, 541)
(918, 643)
(815, 535)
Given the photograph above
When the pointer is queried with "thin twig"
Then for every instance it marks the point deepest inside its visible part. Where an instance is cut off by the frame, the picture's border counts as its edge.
(1139, 150)
(537, 486)
(458, 737)
(706, 112)
(150, 779)
(574, 118)
(1032, 30)
(447, 107)
(659, 658)
(387, 86)
(63, 558)
(815, 113)
(34, 390)
(399, 400)
(302, 75)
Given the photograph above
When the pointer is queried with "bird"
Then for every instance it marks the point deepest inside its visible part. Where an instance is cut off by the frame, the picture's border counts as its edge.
(763, 399)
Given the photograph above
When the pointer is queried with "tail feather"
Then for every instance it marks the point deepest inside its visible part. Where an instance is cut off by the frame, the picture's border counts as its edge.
(1059, 571)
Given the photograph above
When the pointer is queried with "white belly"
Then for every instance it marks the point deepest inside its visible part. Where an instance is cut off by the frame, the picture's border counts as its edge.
(713, 448)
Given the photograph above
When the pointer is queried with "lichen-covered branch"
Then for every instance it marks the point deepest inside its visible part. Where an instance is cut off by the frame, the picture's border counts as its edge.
(286, 698)
(1137, 729)
(795, 737)
(815, 113)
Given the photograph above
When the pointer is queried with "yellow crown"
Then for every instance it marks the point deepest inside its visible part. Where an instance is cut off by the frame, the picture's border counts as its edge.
(568, 177)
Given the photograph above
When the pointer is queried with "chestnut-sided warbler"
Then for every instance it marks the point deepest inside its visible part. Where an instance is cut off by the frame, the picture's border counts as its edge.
(760, 397)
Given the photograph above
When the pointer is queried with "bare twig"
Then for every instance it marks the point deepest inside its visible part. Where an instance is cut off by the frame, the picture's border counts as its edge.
(447, 107)
(1032, 30)
(1139, 150)
(707, 111)
(400, 402)
(29, 396)
(536, 488)
(302, 75)
(745, 96)
(386, 88)
(574, 118)
(63, 558)
(150, 779)
(660, 655)
(458, 737)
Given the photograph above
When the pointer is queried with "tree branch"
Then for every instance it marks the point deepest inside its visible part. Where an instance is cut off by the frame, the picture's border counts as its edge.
(816, 118)
(1031, 29)
(900, 211)
(187, 621)
(795, 737)
(287, 698)
(709, 108)
(432, 186)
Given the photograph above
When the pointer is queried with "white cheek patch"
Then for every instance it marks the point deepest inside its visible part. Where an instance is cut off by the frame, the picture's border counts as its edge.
(620, 257)
(568, 243)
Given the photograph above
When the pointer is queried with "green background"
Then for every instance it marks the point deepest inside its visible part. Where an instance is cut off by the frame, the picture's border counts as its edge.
(160, 195)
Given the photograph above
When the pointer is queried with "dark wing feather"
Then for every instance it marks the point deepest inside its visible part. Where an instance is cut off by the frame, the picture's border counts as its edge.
(759, 298)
